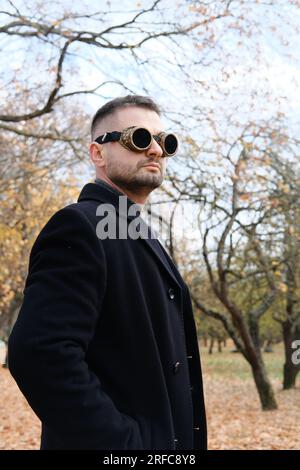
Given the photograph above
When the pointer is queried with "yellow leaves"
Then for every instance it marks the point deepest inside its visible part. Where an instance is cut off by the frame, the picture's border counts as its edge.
(52, 69)
(291, 230)
(10, 296)
(5, 271)
(245, 196)
(267, 161)
(248, 146)
(284, 187)
(198, 9)
(56, 22)
(241, 165)
(283, 287)
(189, 140)
(274, 202)
(26, 207)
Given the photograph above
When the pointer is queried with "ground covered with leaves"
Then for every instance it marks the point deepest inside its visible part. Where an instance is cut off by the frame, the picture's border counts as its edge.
(235, 420)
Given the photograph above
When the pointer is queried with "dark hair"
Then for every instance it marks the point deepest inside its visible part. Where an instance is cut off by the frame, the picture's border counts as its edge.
(123, 102)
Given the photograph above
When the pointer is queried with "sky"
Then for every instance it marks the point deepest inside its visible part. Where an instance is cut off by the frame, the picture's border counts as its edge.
(256, 74)
(242, 77)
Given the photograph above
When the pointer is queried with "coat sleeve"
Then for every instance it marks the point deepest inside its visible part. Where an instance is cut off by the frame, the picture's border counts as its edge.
(47, 347)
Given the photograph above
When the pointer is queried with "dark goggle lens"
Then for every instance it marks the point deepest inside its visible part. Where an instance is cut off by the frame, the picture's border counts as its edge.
(171, 144)
(141, 138)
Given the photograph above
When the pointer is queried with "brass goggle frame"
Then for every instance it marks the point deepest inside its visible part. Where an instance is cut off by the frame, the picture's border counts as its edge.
(140, 138)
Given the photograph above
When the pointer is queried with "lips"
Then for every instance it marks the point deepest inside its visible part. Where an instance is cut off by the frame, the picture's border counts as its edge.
(153, 165)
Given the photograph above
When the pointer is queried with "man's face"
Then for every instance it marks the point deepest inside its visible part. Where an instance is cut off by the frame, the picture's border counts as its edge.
(126, 168)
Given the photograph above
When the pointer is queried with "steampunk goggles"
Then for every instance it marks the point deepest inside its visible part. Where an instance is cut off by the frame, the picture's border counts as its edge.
(139, 139)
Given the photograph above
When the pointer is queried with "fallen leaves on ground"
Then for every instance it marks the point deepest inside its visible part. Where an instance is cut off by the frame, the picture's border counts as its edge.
(235, 420)
(19, 427)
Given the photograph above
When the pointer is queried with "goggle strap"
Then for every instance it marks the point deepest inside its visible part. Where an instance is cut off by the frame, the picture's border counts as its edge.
(108, 137)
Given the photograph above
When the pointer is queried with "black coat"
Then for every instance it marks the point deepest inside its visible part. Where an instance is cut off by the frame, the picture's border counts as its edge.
(105, 347)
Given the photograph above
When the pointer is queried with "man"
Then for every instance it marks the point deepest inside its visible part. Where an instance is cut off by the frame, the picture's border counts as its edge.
(105, 347)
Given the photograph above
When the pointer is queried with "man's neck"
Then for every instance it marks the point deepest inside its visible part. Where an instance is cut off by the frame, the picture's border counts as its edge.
(138, 199)
(109, 186)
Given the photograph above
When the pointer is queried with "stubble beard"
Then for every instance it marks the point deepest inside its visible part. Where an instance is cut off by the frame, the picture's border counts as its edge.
(135, 179)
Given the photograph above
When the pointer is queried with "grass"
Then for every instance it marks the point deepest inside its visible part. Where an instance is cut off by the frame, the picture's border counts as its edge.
(230, 365)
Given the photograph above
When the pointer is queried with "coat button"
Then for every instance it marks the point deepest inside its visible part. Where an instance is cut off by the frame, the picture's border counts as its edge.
(176, 367)
(171, 294)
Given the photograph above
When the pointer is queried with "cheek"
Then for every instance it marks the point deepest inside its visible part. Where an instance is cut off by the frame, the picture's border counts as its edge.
(122, 164)
(134, 161)
(164, 165)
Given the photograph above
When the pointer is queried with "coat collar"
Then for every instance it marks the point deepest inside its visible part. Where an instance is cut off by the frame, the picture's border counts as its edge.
(103, 194)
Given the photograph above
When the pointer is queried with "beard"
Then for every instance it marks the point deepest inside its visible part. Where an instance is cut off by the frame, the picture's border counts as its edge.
(135, 179)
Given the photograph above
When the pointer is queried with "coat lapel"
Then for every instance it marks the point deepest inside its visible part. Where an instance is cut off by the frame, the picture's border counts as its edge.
(153, 245)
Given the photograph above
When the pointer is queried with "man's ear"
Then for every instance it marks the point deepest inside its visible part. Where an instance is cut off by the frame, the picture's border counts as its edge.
(96, 154)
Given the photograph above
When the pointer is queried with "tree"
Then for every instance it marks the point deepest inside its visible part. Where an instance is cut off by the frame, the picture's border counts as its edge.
(152, 49)
(53, 35)
(248, 221)
(285, 194)
(207, 326)
(25, 209)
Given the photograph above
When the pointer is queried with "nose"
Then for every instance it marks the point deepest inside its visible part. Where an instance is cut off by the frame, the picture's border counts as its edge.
(154, 150)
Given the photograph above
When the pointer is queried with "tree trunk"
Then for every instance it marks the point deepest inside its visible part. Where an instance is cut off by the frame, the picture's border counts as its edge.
(268, 347)
(211, 346)
(249, 346)
(12, 314)
(289, 375)
(254, 332)
(290, 370)
(263, 385)
(219, 345)
(5, 364)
